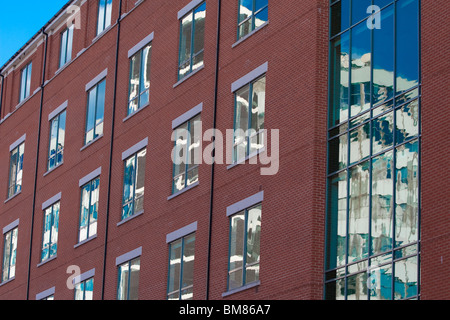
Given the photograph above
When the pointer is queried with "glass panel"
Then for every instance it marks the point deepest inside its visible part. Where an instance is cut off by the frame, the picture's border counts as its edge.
(359, 10)
(383, 58)
(407, 122)
(258, 104)
(381, 259)
(340, 17)
(245, 28)
(173, 297)
(261, 17)
(145, 75)
(175, 266)
(260, 4)
(383, 108)
(241, 122)
(337, 220)
(382, 132)
(335, 290)
(90, 118)
(94, 208)
(140, 181)
(122, 289)
(61, 138)
(14, 158)
(382, 203)
(235, 279)
(108, 13)
(237, 248)
(69, 44)
(357, 267)
(404, 252)
(252, 273)
(361, 68)
(359, 120)
(6, 256)
(360, 143)
(382, 3)
(79, 291)
(89, 290)
(245, 9)
(23, 84)
(101, 16)
(340, 66)
(380, 283)
(199, 28)
(135, 67)
(187, 294)
(407, 194)
(84, 216)
(407, 45)
(128, 186)
(100, 108)
(46, 234)
(405, 97)
(53, 141)
(195, 143)
(253, 235)
(357, 287)
(28, 85)
(20, 168)
(406, 278)
(63, 49)
(359, 212)
(188, 261)
(185, 45)
(55, 227)
(135, 268)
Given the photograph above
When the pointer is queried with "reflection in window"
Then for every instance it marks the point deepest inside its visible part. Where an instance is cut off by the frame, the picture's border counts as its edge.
(192, 38)
(9, 254)
(373, 182)
(65, 52)
(244, 256)
(16, 170)
(85, 290)
(252, 15)
(50, 232)
(139, 89)
(95, 112)
(187, 153)
(25, 82)
(57, 137)
(104, 15)
(181, 269)
(250, 108)
(89, 210)
(134, 184)
(128, 281)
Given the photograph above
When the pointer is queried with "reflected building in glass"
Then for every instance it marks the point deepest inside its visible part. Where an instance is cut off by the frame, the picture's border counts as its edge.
(372, 245)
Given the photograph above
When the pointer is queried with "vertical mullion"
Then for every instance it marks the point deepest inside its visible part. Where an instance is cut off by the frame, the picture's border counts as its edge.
(250, 116)
(394, 156)
(129, 280)
(191, 62)
(244, 254)
(188, 144)
(134, 183)
(95, 110)
(57, 138)
(89, 211)
(253, 16)
(181, 269)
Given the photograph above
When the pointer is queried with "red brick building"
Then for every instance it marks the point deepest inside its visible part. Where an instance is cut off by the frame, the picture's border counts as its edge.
(92, 107)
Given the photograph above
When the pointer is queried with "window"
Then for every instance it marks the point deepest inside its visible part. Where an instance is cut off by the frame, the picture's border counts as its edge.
(128, 288)
(89, 210)
(373, 230)
(104, 15)
(244, 255)
(252, 15)
(25, 82)
(84, 290)
(9, 254)
(139, 90)
(134, 184)
(181, 269)
(249, 119)
(192, 40)
(95, 112)
(16, 170)
(187, 153)
(57, 137)
(65, 52)
(50, 232)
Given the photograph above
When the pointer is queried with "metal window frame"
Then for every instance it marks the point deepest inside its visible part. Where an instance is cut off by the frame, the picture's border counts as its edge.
(65, 51)
(90, 183)
(133, 200)
(58, 118)
(24, 88)
(138, 96)
(13, 184)
(95, 134)
(415, 139)
(128, 264)
(50, 243)
(252, 17)
(9, 255)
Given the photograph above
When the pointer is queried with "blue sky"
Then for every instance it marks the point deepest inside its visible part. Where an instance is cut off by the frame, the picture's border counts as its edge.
(21, 20)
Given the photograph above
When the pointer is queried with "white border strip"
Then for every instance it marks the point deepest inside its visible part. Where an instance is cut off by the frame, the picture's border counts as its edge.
(17, 142)
(11, 226)
(188, 8)
(83, 277)
(51, 201)
(45, 294)
(129, 256)
(249, 77)
(245, 204)
(144, 42)
(171, 237)
(58, 110)
(187, 116)
(91, 176)
(137, 147)
(97, 79)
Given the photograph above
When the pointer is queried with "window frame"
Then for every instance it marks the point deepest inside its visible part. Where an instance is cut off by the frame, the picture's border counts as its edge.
(96, 135)
(25, 82)
(146, 91)
(252, 17)
(183, 240)
(133, 200)
(89, 223)
(19, 164)
(82, 285)
(12, 256)
(101, 28)
(128, 263)
(58, 152)
(192, 43)
(53, 223)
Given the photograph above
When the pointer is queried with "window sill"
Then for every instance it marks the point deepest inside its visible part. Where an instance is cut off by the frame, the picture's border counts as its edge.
(101, 34)
(188, 76)
(53, 169)
(91, 142)
(243, 161)
(12, 197)
(243, 288)
(130, 218)
(7, 281)
(250, 34)
(79, 244)
(183, 191)
(46, 261)
(136, 112)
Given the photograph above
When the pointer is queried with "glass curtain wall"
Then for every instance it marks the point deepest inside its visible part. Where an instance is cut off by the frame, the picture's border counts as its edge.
(373, 151)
